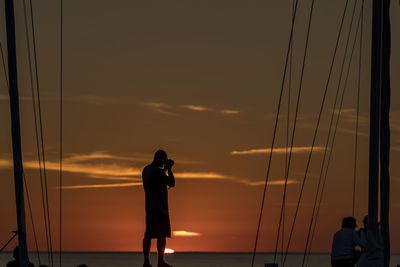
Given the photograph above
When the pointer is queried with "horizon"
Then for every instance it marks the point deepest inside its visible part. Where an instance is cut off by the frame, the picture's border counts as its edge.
(200, 80)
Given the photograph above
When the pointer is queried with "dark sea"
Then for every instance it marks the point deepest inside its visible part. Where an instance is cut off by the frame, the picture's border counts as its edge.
(179, 259)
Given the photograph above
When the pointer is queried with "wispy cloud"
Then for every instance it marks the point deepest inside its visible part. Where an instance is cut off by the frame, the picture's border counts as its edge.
(230, 111)
(122, 174)
(201, 175)
(97, 186)
(278, 150)
(197, 108)
(4, 163)
(98, 155)
(111, 171)
(271, 182)
(89, 169)
(160, 108)
(114, 178)
(183, 233)
(172, 110)
(138, 158)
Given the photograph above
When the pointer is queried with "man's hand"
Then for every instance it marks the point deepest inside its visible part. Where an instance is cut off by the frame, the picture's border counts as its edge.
(168, 164)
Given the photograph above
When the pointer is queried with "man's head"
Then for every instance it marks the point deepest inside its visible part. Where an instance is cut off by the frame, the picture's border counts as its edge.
(160, 157)
(349, 222)
(365, 221)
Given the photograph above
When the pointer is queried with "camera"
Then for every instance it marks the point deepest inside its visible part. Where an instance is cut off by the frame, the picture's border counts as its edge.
(169, 163)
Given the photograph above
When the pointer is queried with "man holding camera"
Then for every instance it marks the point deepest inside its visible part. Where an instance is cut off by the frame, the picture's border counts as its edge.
(156, 183)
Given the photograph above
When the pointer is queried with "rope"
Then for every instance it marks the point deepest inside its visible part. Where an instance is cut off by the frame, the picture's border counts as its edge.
(299, 94)
(334, 136)
(36, 130)
(283, 210)
(274, 132)
(3, 63)
(26, 185)
(9, 241)
(31, 216)
(61, 122)
(41, 133)
(328, 138)
(358, 110)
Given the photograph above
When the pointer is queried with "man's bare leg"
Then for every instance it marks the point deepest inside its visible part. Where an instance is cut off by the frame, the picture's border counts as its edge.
(161, 242)
(146, 251)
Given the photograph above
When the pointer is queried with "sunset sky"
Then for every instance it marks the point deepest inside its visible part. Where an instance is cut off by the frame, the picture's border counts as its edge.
(201, 80)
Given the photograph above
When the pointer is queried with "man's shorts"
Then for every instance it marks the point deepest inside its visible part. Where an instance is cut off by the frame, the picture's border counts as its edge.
(157, 225)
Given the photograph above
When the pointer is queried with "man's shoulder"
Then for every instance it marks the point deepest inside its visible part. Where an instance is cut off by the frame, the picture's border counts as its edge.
(346, 232)
(147, 167)
(152, 171)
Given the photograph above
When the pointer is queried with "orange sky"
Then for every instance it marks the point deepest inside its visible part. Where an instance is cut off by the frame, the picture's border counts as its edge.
(200, 80)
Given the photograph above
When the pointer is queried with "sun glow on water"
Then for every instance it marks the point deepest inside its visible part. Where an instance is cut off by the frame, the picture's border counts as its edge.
(169, 251)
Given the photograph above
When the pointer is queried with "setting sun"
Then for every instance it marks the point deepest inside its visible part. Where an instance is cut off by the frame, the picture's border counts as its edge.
(169, 251)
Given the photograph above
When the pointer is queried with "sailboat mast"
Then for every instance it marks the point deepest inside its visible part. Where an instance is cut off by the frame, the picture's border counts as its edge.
(15, 132)
(385, 131)
(378, 237)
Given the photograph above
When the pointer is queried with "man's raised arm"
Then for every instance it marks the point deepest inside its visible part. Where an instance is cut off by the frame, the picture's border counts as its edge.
(171, 177)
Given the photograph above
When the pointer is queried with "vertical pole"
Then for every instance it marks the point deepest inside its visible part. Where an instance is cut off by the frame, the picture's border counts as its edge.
(15, 132)
(378, 237)
(376, 73)
(385, 132)
(374, 118)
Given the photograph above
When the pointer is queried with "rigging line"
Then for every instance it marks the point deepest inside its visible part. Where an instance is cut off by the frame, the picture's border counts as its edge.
(299, 93)
(26, 186)
(9, 241)
(283, 211)
(298, 104)
(31, 216)
(61, 124)
(3, 63)
(36, 129)
(316, 131)
(41, 131)
(297, 108)
(358, 110)
(333, 112)
(274, 131)
(330, 126)
(307, 253)
(333, 140)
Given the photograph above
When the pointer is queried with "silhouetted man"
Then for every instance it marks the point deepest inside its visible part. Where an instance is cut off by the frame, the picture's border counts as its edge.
(344, 243)
(15, 263)
(155, 183)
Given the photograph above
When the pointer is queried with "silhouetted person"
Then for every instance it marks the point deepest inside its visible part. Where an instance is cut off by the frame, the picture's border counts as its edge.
(15, 263)
(155, 183)
(344, 243)
(363, 262)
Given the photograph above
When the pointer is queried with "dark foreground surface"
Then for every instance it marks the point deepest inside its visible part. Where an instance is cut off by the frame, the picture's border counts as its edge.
(178, 259)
